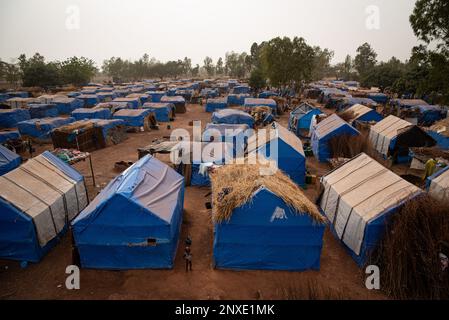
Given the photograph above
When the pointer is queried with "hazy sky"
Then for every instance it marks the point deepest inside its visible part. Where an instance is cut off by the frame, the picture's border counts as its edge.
(172, 29)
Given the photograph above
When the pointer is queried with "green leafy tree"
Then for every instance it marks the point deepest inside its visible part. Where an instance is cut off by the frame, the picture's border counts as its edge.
(36, 72)
(365, 59)
(220, 66)
(209, 66)
(430, 21)
(257, 79)
(77, 71)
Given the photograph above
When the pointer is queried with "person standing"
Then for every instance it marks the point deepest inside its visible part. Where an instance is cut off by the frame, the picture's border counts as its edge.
(188, 258)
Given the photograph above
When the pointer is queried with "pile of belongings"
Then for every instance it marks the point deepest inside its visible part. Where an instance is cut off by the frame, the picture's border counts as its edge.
(262, 115)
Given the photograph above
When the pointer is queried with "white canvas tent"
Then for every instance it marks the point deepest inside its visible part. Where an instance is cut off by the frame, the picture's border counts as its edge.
(385, 131)
(357, 196)
(438, 186)
(41, 195)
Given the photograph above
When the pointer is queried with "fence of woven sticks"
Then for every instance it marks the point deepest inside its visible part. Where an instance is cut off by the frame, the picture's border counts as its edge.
(408, 256)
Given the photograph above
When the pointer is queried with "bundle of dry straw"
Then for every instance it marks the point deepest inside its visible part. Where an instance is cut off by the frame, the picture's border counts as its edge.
(234, 185)
(408, 255)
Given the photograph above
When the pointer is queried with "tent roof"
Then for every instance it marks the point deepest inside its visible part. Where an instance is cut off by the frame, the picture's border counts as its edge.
(149, 183)
(330, 124)
(365, 189)
(390, 126)
(244, 181)
(279, 133)
(7, 156)
(358, 110)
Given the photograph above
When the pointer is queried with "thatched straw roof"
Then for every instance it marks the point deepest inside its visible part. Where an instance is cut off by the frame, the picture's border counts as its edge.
(241, 181)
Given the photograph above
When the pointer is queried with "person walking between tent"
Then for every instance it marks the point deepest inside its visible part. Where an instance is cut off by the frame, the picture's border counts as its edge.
(188, 258)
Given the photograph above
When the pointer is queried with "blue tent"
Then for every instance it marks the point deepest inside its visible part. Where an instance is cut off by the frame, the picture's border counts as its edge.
(135, 221)
(10, 117)
(93, 113)
(236, 134)
(241, 90)
(42, 110)
(178, 101)
(237, 99)
(74, 94)
(122, 92)
(134, 102)
(268, 94)
(133, 117)
(285, 149)
(164, 112)
(18, 94)
(255, 102)
(143, 97)
(327, 129)
(155, 96)
(347, 102)
(232, 116)
(90, 100)
(441, 139)
(106, 96)
(190, 164)
(407, 103)
(67, 105)
(8, 160)
(301, 118)
(358, 200)
(9, 135)
(209, 93)
(36, 201)
(185, 93)
(41, 128)
(216, 104)
(4, 97)
(428, 114)
(381, 98)
(361, 113)
(265, 233)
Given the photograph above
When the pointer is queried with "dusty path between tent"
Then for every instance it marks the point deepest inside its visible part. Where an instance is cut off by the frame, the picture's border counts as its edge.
(339, 277)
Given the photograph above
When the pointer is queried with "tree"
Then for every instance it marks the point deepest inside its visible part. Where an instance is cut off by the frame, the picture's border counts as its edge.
(196, 70)
(235, 64)
(385, 75)
(287, 62)
(430, 21)
(257, 79)
(186, 66)
(345, 70)
(36, 72)
(322, 67)
(365, 59)
(77, 71)
(209, 66)
(220, 66)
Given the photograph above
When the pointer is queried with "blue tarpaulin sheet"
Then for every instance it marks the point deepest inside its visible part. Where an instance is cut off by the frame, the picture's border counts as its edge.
(135, 221)
(216, 104)
(301, 118)
(267, 234)
(10, 117)
(9, 135)
(267, 94)
(241, 90)
(231, 116)
(67, 105)
(155, 96)
(255, 102)
(96, 113)
(41, 128)
(90, 100)
(327, 129)
(8, 160)
(132, 117)
(237, 99)
(43, 110)
(164, 112)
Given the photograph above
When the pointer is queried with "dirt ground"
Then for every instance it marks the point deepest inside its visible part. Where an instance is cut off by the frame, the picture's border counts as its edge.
(339, 277)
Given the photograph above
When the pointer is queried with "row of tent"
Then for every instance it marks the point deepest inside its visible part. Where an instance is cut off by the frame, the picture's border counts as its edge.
(269, 231)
